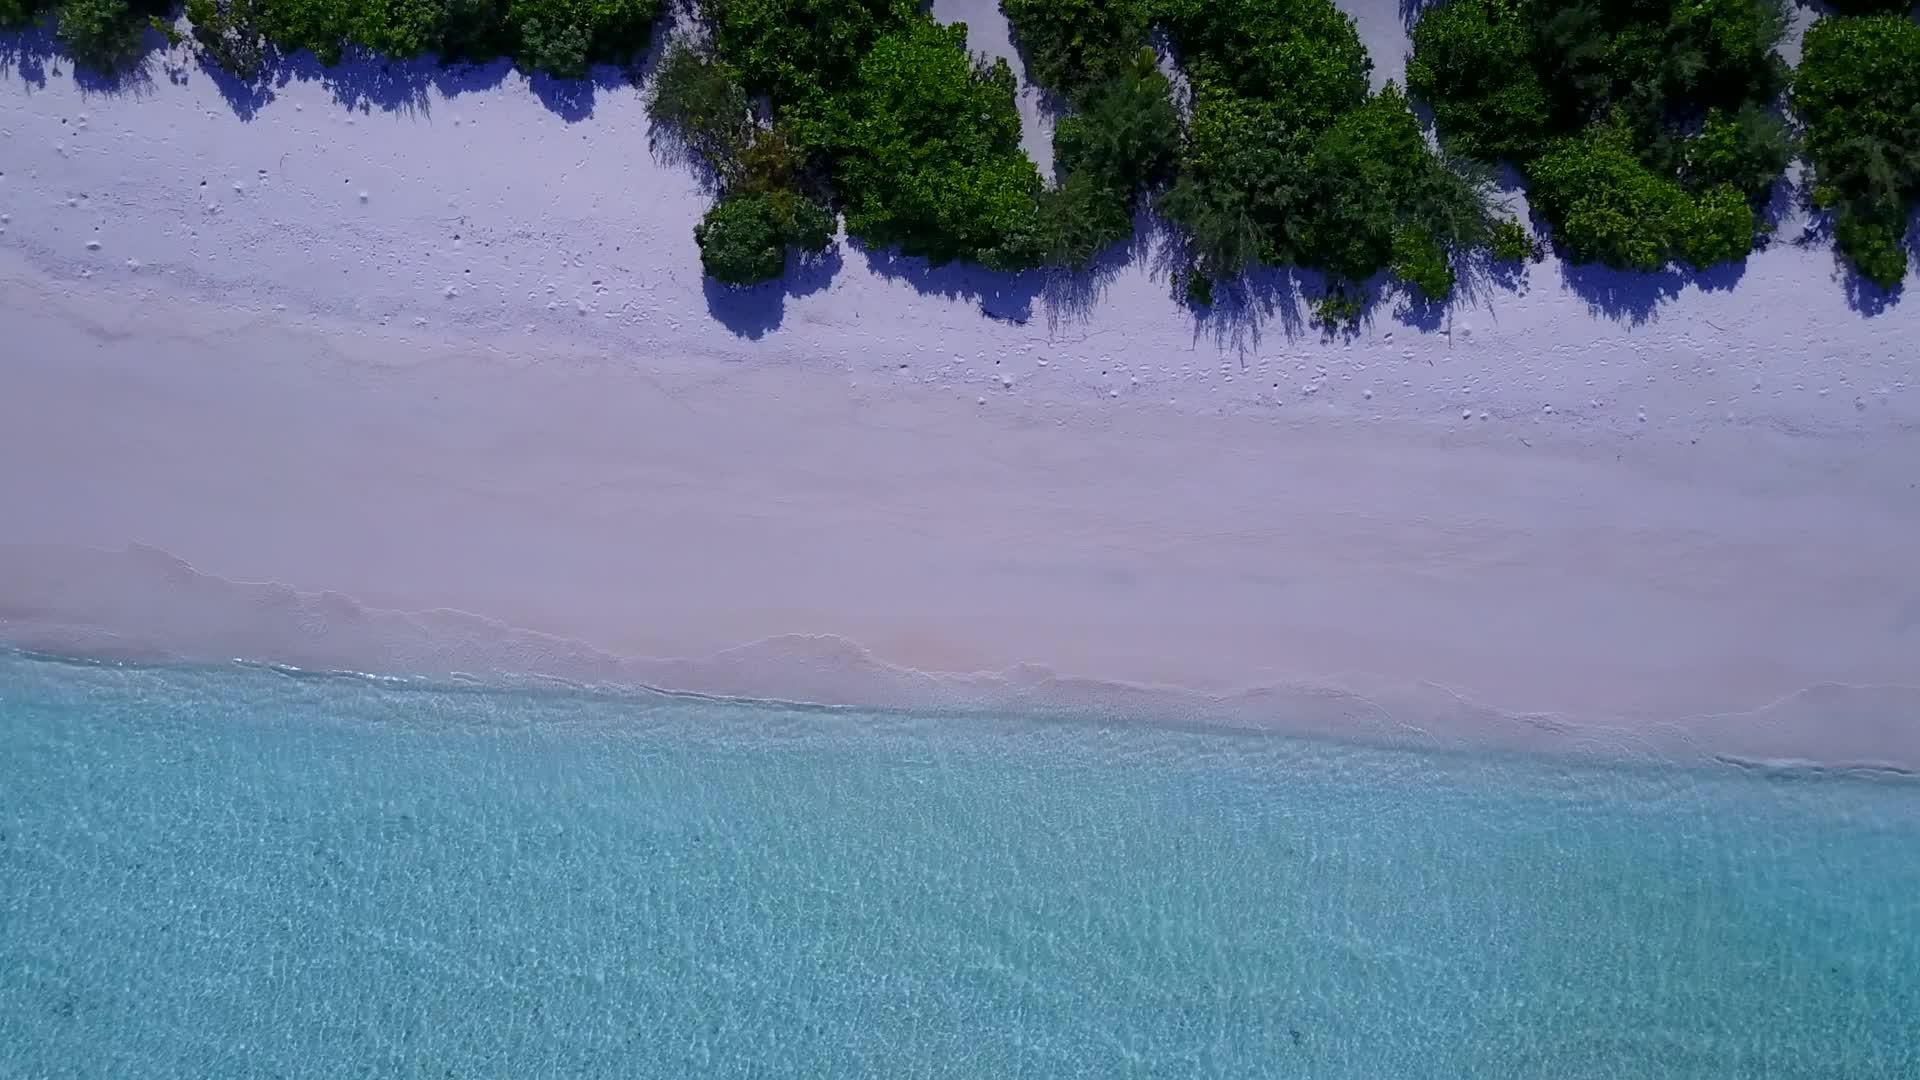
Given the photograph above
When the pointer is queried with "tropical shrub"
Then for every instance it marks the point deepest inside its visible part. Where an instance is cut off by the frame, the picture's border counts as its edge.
(1123, 136)
(19, 14)
(1472, 61)
(1374, 180)
(397, 27)
(1127, 131)
(1073, 46)
(1511, 242)
(1419, 260)
(1254, 189)
(1746, 150)
(100, 34)
(1858, 91)
(798, 52)
(560, 37)
(1686, 89)
(1083, 217)
(1243, 185)
(1124, 140)
(1301, 56)
(565, 37)
(744, 239)
(318, 26)
(1611, 208)
(698, 98)
(228, 33)
(925, 151)
(1289, 160)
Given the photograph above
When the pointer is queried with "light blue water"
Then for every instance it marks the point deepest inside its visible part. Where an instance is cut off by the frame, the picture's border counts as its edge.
(242, 873)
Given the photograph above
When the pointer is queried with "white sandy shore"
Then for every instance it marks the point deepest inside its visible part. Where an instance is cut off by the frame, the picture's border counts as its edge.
(455, 360)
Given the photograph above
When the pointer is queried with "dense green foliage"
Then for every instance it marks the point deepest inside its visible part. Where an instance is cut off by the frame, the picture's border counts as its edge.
(801, 52)
(1512, 243)
(1665, 105)
(228, 33)
(925, 149)
(1858, 90)
(762, 211)
(101, 34)
(1127, 131)
(16, 14)
(1071, 46)
(699, 99)
(560, 37)
(744, 238)
(1288, 160)
(1122, 138)
(1124, 141)
(917, 140)
(1301, 59)
(1611, 208)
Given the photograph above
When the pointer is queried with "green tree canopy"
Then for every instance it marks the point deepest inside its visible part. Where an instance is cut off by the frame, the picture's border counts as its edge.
(1858, 90)
(926, 152)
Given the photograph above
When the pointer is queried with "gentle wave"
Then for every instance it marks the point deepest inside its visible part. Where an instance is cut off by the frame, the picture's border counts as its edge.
(145, 604)
(241, 870)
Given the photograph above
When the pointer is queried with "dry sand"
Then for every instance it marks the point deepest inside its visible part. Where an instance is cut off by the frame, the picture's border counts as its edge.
(437, 374)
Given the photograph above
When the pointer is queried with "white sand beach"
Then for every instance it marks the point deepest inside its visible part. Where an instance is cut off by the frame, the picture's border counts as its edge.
(416, 372)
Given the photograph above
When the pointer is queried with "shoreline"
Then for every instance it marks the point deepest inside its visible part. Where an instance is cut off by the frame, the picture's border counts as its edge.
(1042, 609)
(1639, 507)
(1002, 698)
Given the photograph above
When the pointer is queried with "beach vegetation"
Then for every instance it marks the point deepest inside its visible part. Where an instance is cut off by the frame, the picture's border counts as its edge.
(1650, 132)
(1122, 142)
(1858, 92)
(1632, 119)
(559, 37)
(1420, 261)
(744, 239)
(763, 209)
(1121, 138)
(1074, 46)
(227, 32)
(1341, 307)
(698, 98)
(887, 113)
(924, 151)
(101, 34)
(1127, 130)
(1610, 207)
(1512, 243)
(20, 14)
(799, 53)
(1289, 160)
(1302, 59)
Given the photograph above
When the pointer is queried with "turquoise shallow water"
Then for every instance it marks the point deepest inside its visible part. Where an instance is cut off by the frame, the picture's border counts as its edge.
(239, 872)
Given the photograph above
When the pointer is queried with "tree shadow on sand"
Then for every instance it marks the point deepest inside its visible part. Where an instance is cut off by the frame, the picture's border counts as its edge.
(360, 82)
(758, 310)
(1070, 296)
(1864, 296)
(35, 55)
(26, 55)
(1005, 296)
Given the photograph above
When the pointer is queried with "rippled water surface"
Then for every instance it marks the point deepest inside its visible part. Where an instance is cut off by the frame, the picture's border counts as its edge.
(245, 873)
